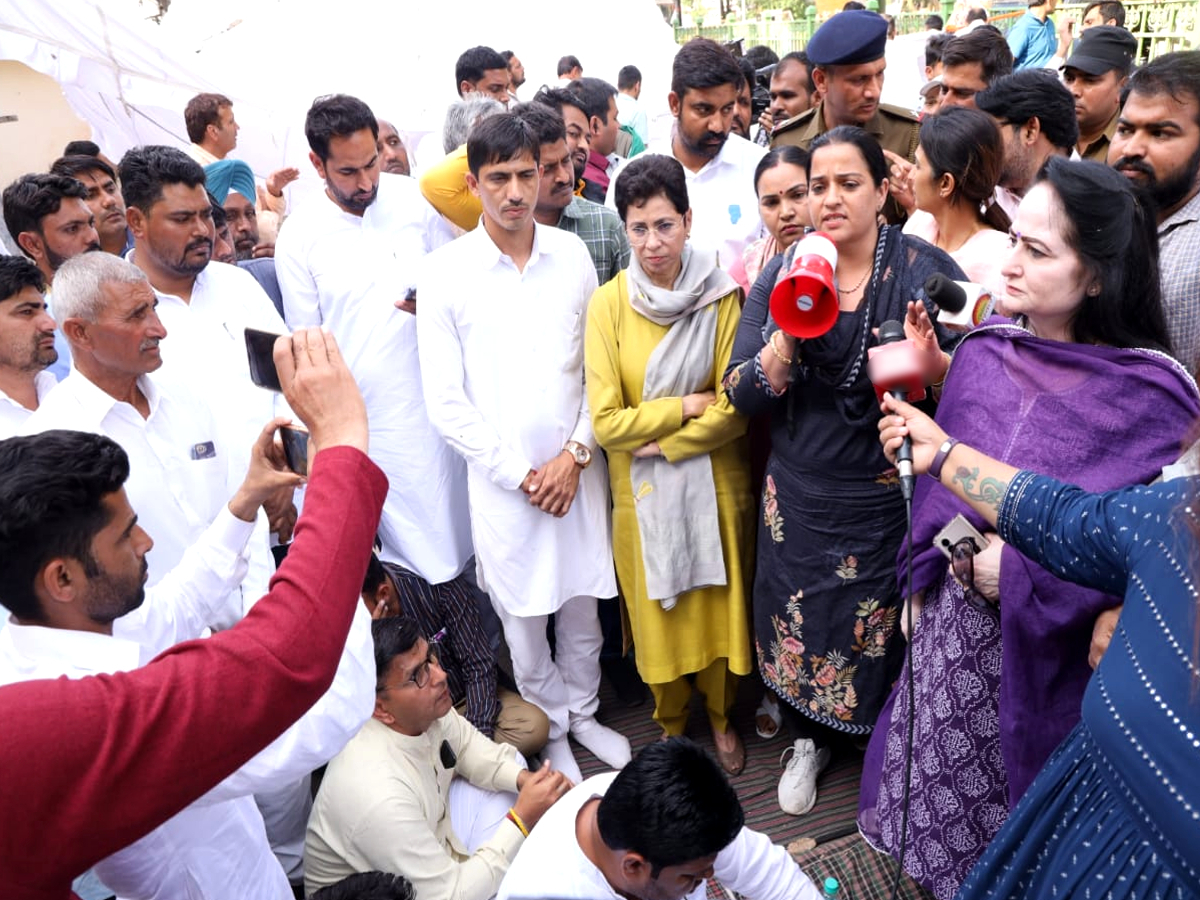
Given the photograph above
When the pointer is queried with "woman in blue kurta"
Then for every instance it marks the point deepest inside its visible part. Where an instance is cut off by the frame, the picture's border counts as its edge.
(1117, 808)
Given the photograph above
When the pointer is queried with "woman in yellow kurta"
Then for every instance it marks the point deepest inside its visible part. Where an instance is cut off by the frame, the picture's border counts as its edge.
(659, 336)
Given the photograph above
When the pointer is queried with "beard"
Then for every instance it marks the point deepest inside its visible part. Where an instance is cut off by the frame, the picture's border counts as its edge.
(110, 596)
(1168, 192)
(56, 261)
(244, 248)
(352, 203)
(706, 146)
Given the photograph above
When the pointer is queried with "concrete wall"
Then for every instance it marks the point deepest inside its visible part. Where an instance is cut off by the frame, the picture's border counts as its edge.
(44, 126)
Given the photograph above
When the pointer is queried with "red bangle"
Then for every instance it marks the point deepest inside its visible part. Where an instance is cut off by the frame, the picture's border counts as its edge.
(939, 459)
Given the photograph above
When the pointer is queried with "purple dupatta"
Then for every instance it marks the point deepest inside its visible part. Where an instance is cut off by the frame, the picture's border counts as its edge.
(1098, 417)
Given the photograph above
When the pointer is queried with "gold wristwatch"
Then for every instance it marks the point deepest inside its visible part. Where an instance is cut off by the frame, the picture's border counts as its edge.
(581, 454)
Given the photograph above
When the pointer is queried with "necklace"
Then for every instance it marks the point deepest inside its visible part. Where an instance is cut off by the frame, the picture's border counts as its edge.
(861, 281)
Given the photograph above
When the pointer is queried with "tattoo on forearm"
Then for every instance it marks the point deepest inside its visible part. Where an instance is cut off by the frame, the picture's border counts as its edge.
(989, 491)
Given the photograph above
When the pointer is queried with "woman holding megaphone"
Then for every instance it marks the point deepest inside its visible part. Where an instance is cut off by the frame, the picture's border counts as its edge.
(826, 607)
(658, 339)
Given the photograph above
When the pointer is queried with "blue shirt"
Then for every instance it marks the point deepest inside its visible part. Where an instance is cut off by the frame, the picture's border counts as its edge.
(1032, 41)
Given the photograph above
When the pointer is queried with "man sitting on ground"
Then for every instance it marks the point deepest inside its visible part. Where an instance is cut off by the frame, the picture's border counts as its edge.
(464, 653)
(419, 790)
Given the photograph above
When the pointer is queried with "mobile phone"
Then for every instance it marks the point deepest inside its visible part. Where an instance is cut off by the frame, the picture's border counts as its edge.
(295, 448)
(260, 349)
(956, 530)
(411, 295)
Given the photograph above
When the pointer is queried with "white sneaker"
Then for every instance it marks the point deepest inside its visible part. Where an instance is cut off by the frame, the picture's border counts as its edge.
(610, 747)
(561, 758)
(798, 784)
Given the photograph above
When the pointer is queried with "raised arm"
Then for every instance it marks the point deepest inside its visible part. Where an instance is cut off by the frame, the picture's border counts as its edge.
(1076, 535)
(114, 756)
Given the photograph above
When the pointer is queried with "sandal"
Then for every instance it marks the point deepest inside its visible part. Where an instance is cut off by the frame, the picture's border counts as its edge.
(767, 718)
(731, 758)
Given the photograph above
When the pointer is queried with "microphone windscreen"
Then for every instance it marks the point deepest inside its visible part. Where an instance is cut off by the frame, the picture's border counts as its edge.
(945, 293)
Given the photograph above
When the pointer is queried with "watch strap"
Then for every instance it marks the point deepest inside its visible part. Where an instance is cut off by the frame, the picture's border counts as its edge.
(939, 459)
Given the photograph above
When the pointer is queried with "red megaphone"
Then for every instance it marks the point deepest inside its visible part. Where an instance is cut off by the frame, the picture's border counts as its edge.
(805, 302)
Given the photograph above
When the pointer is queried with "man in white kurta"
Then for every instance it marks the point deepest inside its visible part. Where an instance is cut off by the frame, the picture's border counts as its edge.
(220, 839)
(207, 307)
(670, 804)
(179, 471)
(501, 347)
(27, 335)
(344, 265)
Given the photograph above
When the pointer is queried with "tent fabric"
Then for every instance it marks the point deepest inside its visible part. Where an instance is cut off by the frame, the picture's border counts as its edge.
(130, 78)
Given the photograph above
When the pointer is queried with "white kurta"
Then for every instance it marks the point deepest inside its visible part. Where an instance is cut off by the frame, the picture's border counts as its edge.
(724, 204)
(345, 272)
(502, 365)
(205, 352)
(552, 864)
(13, 415)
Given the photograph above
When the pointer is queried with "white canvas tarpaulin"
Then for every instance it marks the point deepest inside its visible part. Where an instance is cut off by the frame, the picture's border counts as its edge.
(130, 78)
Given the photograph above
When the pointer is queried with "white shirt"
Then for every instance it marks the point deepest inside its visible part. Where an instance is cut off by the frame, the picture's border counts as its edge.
(551, 863)
(502, 363)
(13, 415)
(630, 112)
(346, 272)
(219, 841)
(205, 352)
(724, 206)
(178, 470)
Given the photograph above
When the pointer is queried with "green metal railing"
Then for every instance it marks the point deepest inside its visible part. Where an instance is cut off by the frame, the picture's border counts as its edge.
(1161, 26)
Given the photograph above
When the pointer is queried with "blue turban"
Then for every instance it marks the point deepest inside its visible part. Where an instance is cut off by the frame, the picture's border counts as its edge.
(229, 175)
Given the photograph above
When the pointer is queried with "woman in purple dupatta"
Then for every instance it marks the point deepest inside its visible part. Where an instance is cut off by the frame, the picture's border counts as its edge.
(1064, 391)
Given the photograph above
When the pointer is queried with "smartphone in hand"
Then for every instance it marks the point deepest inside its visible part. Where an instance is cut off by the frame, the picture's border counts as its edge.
(295, 448)
(260, 349)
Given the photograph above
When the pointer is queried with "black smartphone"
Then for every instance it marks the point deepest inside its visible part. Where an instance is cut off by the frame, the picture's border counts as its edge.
(295, 448)
(260, 349)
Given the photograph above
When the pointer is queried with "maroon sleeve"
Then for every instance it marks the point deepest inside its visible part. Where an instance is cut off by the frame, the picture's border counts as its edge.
(88, 766)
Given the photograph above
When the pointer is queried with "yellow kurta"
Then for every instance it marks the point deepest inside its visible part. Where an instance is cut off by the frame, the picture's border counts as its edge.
(706, 624)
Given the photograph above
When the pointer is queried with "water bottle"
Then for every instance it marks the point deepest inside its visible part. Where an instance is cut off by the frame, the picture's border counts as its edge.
(832, 889)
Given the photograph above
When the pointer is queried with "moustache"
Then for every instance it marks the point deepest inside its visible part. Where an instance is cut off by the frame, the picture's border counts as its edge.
(197, 244)
(1131, 164)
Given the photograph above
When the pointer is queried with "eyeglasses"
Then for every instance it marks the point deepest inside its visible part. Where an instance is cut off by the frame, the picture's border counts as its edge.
(420, 675)
(665, 230)
(962, 563)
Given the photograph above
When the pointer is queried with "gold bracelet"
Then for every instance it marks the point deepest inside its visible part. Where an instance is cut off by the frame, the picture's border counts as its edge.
(787, 361)
(512, 816)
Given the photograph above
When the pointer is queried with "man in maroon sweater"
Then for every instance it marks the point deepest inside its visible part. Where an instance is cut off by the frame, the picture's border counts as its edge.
(87, 766)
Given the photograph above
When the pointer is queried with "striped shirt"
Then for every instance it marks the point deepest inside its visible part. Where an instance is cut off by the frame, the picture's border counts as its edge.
(449, 617)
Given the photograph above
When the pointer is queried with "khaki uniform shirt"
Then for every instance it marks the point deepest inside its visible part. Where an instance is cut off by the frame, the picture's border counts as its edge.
(895, 129)
(1097, 150)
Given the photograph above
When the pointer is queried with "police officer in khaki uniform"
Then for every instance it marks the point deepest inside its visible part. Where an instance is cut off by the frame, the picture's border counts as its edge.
(847, 55)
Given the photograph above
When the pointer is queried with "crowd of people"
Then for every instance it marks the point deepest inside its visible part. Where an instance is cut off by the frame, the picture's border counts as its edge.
(319, 527)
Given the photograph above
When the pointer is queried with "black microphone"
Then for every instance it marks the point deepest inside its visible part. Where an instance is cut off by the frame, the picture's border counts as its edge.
(890, 332)
(963, 304)
(446, 752)
(945, 293)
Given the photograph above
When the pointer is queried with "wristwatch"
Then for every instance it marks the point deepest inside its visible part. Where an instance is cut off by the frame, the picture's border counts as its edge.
(581, 454)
